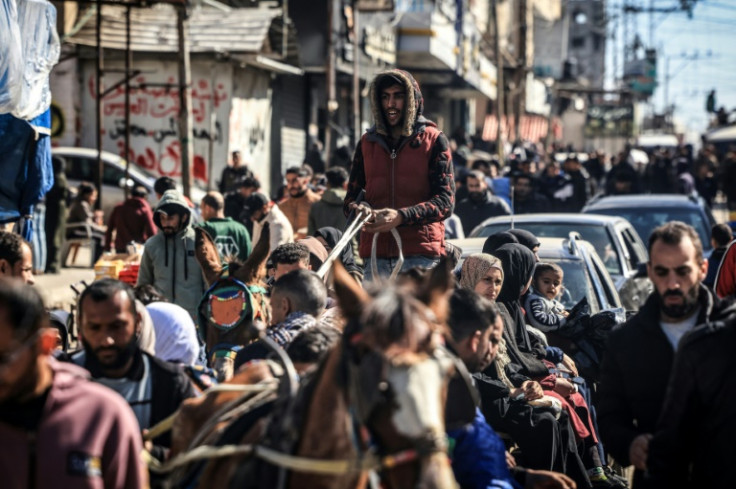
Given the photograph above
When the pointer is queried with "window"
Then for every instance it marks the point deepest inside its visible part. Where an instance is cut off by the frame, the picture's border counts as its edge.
(578, 42)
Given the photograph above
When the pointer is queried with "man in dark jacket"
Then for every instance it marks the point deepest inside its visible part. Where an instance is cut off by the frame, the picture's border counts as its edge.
(694, 444)
(132, 220)
(638, 361)
(404, 165)
(480, 203)
(327, 212)
(109, 325)
(527, 199)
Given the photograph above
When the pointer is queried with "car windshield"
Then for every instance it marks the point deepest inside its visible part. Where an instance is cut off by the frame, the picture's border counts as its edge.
(597, 235)
(577, 284)
(645, 219)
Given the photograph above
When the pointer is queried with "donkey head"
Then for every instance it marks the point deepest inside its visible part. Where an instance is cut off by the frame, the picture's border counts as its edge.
(234, 310)
(397, 373)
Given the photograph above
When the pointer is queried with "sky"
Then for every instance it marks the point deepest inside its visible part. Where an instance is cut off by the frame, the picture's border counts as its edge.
(701, 52)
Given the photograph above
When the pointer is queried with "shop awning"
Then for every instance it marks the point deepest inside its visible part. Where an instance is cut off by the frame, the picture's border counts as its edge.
(211, 30)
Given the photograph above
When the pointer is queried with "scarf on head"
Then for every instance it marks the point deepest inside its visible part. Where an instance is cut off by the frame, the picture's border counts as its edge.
(525, 237)
(518, 266)
(495, 241)
(475, 267)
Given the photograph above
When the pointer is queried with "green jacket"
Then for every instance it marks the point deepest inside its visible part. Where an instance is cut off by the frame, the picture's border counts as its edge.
(231, 237)
(168, 262)
(328, 211)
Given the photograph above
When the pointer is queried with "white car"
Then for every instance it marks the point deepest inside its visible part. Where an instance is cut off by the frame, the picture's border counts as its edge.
(80, 163)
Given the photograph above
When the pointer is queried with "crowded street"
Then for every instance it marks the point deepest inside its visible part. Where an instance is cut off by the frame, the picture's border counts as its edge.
(367, 244)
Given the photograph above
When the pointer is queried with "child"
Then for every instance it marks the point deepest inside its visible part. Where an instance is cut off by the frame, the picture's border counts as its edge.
(543, 311)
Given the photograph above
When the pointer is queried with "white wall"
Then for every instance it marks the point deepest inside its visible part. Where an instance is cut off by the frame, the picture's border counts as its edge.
(153, 116)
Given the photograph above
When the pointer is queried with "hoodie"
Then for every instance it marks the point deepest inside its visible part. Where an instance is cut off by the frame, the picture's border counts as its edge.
(168, 262)
(87, 436)
(328, 211)
(413, 175)
(132, 220)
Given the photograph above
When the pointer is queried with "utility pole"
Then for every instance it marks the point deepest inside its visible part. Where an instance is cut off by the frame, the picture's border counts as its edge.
(330, 75)
(98, 82)
(356, 73)
(128, 62)
(185, 99)
(500, 92)
(521, 71)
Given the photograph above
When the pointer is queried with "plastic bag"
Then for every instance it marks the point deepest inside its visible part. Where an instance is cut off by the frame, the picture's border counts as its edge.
(11, 58)
(39, 47)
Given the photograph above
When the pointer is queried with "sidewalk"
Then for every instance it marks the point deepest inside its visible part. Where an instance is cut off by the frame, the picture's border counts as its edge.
(56, 290)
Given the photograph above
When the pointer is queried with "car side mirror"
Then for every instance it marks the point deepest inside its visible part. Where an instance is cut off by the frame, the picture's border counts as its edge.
(641, 271)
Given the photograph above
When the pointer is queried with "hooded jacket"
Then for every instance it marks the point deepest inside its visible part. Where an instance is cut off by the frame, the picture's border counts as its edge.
(413, 175)
(634, 375)
(328, 211)
(132, 220)
(87, 437)
(168, 262)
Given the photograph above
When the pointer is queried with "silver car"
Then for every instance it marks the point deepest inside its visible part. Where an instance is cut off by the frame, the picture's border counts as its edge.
(80, 163)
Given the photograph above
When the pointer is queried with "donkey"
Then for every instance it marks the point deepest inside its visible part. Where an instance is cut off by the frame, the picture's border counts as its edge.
(379, 395)
(235, 308)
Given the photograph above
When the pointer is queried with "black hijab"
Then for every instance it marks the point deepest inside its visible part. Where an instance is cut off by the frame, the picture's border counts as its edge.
(332, 236)
(495, 241)
(525, 237)
(518, 266)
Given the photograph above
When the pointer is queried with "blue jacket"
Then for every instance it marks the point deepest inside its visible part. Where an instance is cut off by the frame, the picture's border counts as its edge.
(479, 457)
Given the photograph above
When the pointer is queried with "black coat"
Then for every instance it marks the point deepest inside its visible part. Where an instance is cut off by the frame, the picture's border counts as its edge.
(635, 372)
(472, 213)
(698, 423)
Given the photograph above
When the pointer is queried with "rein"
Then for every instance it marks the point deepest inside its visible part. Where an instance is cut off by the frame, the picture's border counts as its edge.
(286, 461)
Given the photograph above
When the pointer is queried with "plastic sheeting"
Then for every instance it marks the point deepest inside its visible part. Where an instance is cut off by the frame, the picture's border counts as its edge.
(29, 49)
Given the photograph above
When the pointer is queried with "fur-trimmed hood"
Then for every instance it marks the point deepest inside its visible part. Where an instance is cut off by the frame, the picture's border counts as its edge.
(413, 108)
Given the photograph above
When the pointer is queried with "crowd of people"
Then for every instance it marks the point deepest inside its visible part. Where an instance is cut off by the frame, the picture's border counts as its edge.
(76, 413)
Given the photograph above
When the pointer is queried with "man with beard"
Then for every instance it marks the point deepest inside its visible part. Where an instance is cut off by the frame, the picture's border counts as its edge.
(109, 326)
(527, 199)
(297, 206)
(57, 428)
(403, 169)
(168, 262)
(480, 204)
(640, 354)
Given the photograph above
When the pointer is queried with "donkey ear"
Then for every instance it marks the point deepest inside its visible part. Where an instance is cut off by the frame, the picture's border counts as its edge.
(350, 295)
(436, 289)
(207, 255)
(254, 267)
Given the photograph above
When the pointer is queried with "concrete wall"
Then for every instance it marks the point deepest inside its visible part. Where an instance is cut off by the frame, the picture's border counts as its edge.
(153, 116)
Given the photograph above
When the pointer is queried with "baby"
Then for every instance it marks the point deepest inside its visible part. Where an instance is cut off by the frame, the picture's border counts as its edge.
(543, 311)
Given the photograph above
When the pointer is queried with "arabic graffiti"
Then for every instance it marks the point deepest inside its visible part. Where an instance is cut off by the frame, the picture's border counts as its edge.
(154, 108)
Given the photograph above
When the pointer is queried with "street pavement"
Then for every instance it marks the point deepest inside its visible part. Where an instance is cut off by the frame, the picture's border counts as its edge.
(56, 290)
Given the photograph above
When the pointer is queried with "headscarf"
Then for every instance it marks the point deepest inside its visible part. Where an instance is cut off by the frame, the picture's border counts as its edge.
(332, 236)
(518, 266)
(475, 267)
(495, 241)
(526, 238)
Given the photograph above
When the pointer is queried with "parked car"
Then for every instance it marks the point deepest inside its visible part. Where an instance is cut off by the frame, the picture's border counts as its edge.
(646, 212)
(585, 275)
(617, 243)
(80, 166)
